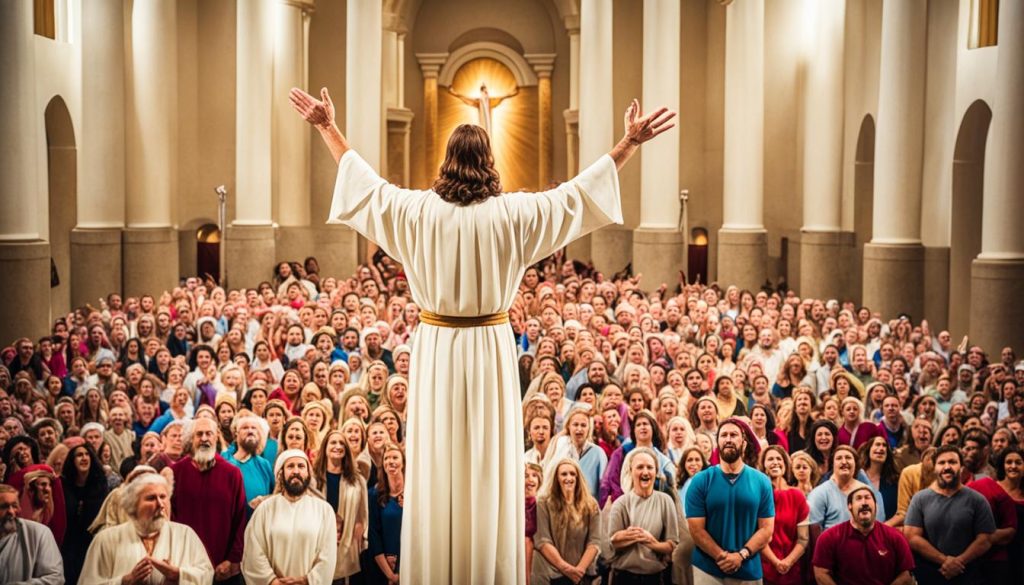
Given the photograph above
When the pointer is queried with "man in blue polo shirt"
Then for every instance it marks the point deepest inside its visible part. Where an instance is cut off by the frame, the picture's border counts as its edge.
(731, 514)
(862, 551)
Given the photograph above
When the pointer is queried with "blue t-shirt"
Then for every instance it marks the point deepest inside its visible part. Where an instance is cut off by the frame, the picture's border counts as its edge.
(731, 510)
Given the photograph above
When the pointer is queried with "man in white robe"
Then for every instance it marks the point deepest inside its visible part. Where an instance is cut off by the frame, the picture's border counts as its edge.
(292, 536)
(150, 549)
(464, 256)
(28, 552)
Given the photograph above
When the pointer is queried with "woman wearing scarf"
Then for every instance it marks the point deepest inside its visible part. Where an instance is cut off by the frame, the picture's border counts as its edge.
(42, 498)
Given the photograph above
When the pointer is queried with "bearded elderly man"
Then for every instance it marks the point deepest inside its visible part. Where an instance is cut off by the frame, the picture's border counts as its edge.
(257, 472)
(28, 552)
(292, 536)
(209, 496)
(149, 549)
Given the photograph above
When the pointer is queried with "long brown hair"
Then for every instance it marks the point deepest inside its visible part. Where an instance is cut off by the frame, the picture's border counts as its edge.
(348, 463)
(467, 174)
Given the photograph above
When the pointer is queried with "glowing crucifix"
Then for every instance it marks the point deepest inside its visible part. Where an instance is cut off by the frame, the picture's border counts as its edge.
(484, 104)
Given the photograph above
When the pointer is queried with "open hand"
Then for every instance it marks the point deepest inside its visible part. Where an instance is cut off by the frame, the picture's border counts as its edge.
(319, 113)
(640, 129)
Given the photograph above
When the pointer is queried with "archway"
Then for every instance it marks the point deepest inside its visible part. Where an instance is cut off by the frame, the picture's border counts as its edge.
(62, 178)
(863, 200)
(965, 226)
(208, 251)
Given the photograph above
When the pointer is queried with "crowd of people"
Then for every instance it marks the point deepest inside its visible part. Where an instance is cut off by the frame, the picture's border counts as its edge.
(694, 435)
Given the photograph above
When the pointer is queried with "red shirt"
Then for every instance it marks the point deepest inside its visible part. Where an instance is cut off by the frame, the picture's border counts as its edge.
(876, 558)
(213, 504)
(861, 435)
(1003, 509)
(790, 510)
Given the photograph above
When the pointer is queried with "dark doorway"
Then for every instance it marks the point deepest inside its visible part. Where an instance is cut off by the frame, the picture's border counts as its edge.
(697, 256)
(208, 251)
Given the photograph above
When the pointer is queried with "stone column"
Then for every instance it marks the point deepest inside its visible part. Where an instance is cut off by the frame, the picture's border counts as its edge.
(249, 239)
(399, 118)
(543, 64)
(291, 144)
(894, 259)
(609, 247)
(742, 241)
(657, 243)
(997, 275)
(150, 239)
(822, 270)
(363, 45)
(430, 65)
(581, 247)
(96, 240)
(24, 256)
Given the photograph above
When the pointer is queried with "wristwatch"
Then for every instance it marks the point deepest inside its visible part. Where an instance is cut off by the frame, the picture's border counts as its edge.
(744, 553)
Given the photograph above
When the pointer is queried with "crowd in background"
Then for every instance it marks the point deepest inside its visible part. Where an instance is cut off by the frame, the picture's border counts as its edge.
(206, 415)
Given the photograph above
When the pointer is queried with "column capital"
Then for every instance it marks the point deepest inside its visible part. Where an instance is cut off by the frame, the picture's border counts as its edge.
(393, 21)
(306, 6)
(430, 63)
(572, 24)
(543, 63)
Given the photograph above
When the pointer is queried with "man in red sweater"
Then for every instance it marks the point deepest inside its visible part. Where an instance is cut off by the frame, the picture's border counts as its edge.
(209, 496)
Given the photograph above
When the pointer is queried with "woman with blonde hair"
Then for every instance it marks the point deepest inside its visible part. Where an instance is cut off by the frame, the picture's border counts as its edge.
(354, 431)
(344, 489)
(569, 531)
(576, 442)
(317, 415)
(805, 471)
(679, 436)
(553, 386)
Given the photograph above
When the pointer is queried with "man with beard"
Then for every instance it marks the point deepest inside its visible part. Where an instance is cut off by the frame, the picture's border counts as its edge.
(862, 551)
(643, 525)
(292, 536)
(827, 501)
(209, 496)
(149, 548)
(730, 510)
(949, 527)
(28, 552)
(975, 452)
(48, 432)
(257, 474)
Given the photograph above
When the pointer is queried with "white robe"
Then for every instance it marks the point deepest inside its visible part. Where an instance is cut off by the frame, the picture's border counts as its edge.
(463, 520)
(29, 556)
(290, 539)
(115, 551)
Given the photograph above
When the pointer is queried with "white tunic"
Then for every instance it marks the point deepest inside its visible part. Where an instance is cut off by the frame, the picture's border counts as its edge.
(29, 556)
(464, 519)
(290, 539)
(116, 550)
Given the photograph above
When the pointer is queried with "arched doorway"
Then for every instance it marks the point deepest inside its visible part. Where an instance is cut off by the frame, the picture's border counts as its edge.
(965, 225)
(863, 200)
(62, 178)
(697, 256)
(208, 251)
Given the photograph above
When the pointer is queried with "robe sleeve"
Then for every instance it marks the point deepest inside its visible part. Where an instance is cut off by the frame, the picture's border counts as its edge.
(256, 566)
(99, 562)
(547, 221)
(196, 568)
(368, 204)
(322, 571)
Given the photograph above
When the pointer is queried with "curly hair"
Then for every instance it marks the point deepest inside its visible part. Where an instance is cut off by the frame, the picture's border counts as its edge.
(467, 174)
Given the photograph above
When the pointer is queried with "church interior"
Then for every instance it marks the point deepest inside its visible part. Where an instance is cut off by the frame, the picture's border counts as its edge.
(866, 150)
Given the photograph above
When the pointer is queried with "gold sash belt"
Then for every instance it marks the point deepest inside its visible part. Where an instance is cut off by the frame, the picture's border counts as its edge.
(431, 318)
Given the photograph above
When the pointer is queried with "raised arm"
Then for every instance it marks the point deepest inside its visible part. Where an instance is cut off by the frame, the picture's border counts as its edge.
(639, 130)
(320, 113)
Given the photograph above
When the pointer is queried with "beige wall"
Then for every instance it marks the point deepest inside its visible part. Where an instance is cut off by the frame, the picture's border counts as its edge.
(956, 78)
